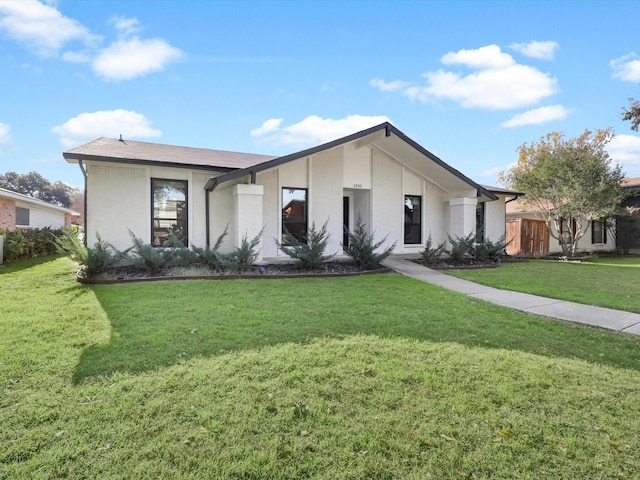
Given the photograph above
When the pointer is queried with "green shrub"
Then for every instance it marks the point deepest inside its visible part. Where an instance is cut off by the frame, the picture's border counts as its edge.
(70, 245)
(431, 255)
(21, 244)
(101, 257)
(243, 257)
(362, 247)
(460, 247)
(209, 256)
(488, 249)
(144, 255)
(310, 255)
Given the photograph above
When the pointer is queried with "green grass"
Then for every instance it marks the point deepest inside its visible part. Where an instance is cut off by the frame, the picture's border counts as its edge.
(362, 377)
(610, 282)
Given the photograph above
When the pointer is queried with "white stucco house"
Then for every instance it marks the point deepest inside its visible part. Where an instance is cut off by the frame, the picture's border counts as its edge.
(398, 188)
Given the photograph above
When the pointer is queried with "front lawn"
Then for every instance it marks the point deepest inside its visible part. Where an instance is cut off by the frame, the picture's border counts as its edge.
(361, 377)
(610, 282)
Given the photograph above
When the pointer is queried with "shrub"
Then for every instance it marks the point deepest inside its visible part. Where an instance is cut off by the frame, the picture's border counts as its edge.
(20, 244)
(70, 245)
(144, 255)
(101, 257)
(243, 257)
(489, 249)
(431, 255)
(209, 256)
(310, 255)
(460, 247)
(362, 247)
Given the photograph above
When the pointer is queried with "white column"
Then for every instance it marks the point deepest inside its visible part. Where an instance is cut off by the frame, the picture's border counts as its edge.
(462, 216)
(248, 213)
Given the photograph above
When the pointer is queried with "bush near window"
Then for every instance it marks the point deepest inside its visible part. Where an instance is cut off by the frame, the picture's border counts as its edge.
(243, 257)
(26, 243)
(362, 247)
(432, 255)
(310, 255)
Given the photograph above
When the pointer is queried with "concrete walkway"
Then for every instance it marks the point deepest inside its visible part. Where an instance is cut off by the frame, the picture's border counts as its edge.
(547, 307)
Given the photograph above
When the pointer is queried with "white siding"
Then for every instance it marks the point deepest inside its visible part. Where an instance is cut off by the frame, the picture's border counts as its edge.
(40, 217)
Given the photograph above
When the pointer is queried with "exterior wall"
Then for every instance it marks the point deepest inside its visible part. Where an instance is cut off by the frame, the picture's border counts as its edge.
(119, 200)
(7, 213)
(40, 218)
(584, 244)
(463, 216)
(325, 195)
(495, 219)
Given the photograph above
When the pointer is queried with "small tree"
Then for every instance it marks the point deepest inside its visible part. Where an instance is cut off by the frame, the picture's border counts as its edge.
(568, 182)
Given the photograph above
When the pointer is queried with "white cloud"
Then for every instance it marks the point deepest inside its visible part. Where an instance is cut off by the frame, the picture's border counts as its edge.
(625, 149)
(497, 82)
(269, 126)
(388, 86)
(538, 116)
(126, 26)
(5, 135)
(127, 59)
(626, 68)
(515, 86)
(314, 130)
(42, 28)
(481, 58)
(106, 123)
(536, 49)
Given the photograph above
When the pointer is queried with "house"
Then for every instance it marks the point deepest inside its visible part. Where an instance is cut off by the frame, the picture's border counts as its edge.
(628, 228)
(395, 186)
(22, 211)
(528, 235)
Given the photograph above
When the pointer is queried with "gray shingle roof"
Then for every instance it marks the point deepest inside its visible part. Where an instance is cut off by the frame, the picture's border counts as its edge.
(111, 149)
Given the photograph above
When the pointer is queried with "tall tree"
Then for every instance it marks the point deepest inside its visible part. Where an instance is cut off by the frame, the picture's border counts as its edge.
(632, 114)
(35, 185)
(568, 182)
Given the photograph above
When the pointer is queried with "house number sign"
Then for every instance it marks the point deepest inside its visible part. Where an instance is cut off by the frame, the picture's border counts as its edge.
(357, 185)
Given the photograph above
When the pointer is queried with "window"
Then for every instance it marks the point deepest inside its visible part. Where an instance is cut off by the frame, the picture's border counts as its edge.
(598, 231)
(480, 216)
(169, 211)
(412, 219)
(294, 214)
(22, 216)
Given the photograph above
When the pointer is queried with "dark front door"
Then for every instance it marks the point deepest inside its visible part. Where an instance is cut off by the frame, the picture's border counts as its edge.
(345, 221)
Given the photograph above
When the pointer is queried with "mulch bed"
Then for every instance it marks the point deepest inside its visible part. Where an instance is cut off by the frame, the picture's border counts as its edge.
(280, 270)
(470, 263)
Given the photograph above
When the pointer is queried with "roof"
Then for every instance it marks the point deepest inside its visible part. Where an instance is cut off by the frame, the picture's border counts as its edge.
(503, 191)
(144, 153)
(386, 139)
(35, 201)
(631, 182)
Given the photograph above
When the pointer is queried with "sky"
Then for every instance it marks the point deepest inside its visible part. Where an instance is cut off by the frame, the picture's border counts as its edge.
(470, 81)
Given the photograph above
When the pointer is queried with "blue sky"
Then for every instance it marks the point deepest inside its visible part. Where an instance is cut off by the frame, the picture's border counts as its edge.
(469, 81)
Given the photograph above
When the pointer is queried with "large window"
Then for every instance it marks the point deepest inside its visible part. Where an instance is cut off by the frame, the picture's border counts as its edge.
(294, 214)
(169, 211)
(22, 216)
(412, 219)
(598, 232)
(480, 222)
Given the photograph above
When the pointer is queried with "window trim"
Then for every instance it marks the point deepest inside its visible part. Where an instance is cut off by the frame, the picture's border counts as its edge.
(603, 231)
(28, 214)
(186, 208)
(302, 238)
(413, 223)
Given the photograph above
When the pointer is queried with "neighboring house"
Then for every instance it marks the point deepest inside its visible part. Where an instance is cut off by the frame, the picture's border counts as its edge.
(398, 188)
(528, 234)
(22, 211)
(628, 228)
